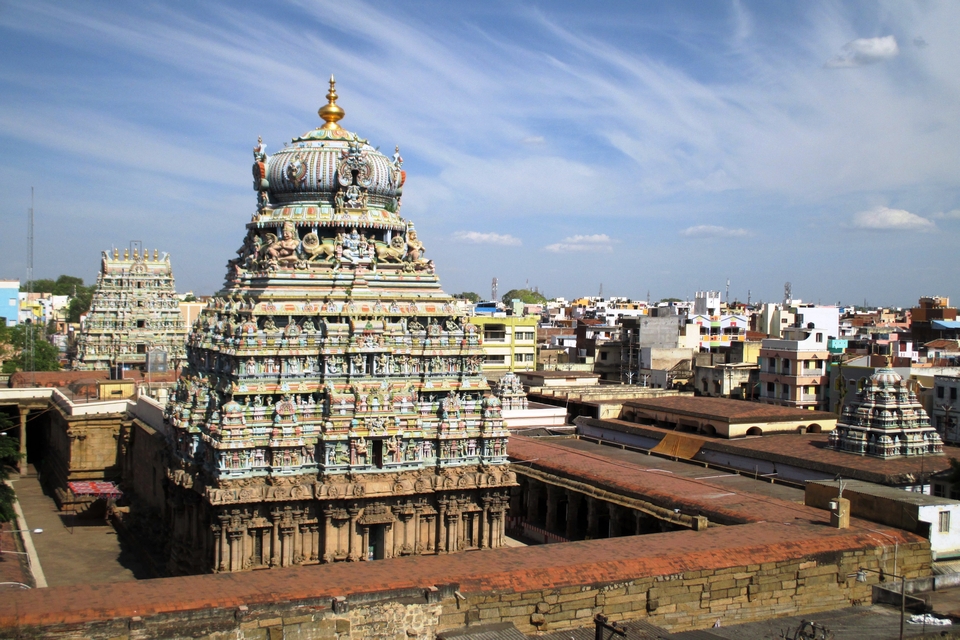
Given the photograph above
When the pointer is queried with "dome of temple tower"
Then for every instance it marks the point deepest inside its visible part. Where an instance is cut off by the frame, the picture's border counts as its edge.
(329, 169)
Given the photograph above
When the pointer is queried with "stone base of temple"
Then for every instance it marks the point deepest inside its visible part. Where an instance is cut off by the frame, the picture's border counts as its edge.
(448, 511)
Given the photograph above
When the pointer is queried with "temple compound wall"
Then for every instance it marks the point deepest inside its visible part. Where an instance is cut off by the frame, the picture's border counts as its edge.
(679, 581)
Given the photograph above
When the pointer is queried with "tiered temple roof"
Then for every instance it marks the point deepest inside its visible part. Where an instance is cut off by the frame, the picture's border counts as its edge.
(332, 366)
(134, 312)
(886, 422)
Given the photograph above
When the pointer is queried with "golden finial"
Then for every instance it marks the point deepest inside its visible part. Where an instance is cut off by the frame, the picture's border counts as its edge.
(330, 111)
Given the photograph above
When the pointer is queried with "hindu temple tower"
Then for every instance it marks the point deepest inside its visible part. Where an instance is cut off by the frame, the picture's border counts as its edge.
(134, 314)
(332, 406)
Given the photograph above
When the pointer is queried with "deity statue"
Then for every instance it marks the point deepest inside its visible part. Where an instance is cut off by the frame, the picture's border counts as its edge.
(284, 249)
(414, 247)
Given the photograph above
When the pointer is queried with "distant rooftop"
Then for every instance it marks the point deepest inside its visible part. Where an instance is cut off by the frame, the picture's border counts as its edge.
(732, 411)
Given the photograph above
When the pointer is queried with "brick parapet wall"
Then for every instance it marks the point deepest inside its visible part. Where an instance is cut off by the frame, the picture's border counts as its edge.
(678, 580)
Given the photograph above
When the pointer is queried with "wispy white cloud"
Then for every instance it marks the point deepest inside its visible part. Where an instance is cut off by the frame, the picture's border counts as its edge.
(599, 242)
(953, 214)
(479, 237)
(863, 51)
(886, 219)
(713, 231)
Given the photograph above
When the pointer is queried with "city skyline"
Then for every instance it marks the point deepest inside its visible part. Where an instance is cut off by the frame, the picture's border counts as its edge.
(646, 148)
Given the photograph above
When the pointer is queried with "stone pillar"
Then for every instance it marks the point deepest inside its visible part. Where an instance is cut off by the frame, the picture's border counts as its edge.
(593, 518)
(614, 530)
(574, 501)
(533, 501)
(453, 530)
(328, 535)
(417, 549)
(275, 539)
(352, 554)
(485, 524)
(388, 536)
(365, 541)
(286, 544)
(314, 542)
(222, 562)
(216, 546)
(22, 465)
(441, 527)
(306, 542)
(236, 562)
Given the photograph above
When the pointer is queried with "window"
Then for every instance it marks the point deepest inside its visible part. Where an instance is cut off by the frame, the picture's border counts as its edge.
(944, 522)
(772, 387)
(603, 355)
(819, 337)
(12, 302)
(953, 393)
(940, 392)
(938, 490)
(495, 359)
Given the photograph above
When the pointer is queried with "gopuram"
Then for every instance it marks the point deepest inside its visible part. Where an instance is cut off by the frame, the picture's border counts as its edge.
(134, 312)
(332, 406)
(887, 421)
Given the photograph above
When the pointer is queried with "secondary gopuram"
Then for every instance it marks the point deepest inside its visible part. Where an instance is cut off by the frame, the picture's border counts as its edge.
(134, 315)
(332, 406)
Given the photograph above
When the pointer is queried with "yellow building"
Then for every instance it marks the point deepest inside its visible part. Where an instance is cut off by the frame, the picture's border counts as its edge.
(509, 343)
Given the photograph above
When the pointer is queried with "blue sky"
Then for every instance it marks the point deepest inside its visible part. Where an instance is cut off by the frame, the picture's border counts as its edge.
(647, 146)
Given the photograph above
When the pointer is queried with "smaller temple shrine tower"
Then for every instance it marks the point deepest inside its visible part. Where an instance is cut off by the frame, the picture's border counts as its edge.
(887, 421)
(134, 313)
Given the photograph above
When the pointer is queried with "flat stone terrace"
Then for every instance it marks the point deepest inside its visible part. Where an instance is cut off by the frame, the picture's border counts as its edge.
(726, 410)
(775, 531)
(808, 450)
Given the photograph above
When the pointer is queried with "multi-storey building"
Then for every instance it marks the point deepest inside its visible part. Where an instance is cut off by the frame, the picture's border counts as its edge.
(945, 412)
(793, 369)
(509, 343)
(333, 406)
(134, 314)
(718, 332)
(9, 302)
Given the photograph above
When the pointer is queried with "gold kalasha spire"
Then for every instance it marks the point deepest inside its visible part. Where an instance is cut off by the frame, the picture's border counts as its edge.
(330, 111)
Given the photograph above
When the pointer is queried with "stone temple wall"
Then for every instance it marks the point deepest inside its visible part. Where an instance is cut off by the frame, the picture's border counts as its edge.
(678, 581)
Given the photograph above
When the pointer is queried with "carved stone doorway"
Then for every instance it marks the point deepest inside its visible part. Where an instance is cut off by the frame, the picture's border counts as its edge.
(375, 546)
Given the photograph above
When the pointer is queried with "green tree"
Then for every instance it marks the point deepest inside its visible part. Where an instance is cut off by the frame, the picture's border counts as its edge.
(524, 295)
(80, 303)
(468, 295)
(671, 300)
(46, 357)
(64, 285)
(9, 455)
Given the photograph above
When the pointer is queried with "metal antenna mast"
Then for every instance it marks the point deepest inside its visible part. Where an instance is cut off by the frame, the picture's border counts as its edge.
(493, 290)
(728, 291)
(28, 351)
